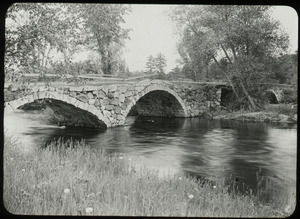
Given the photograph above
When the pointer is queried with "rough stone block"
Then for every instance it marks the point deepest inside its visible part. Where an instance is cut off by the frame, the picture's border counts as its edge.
(110, 95)
(116, 94)
(128, 94)
(35, 95)
(120, 117)
(97, 102)
(138, 89)
(105, 89)
(122, 98)
(104, 102)
(90, 95)
(122, 89)
(82, 98)
(73, 94)
(81, 105)
(91, 101)
(109, 107)
(114, 101)
(113, 88)
(118, 110)
(101, 94)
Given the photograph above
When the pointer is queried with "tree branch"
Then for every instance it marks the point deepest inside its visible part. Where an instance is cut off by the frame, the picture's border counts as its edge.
(225, 73)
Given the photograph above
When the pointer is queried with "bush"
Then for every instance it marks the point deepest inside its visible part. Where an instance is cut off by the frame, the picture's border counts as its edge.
(290, 96)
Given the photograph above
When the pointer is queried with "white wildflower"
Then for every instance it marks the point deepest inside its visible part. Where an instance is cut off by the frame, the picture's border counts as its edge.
(89, 210)
(66, 191)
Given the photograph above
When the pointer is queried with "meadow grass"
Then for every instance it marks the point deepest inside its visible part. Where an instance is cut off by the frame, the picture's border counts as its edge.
(286, 109)
(71, 178)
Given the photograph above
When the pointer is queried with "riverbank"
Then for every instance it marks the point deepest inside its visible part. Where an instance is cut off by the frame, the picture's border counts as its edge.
(70, 178)
(277, 113)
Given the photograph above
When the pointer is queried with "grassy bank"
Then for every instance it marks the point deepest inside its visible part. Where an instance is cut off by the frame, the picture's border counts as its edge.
(70, 178)
(276, 113)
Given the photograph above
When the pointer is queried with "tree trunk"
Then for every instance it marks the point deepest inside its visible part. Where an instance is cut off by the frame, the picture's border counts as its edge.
(218, 64)
(247, 94)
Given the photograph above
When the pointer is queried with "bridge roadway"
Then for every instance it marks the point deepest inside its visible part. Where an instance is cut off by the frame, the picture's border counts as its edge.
(109, 102)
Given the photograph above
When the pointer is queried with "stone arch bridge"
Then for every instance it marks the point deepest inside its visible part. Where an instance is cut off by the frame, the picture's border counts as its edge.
(109, 105)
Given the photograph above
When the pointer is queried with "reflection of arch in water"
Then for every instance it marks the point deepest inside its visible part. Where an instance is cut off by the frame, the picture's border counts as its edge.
(65, 113)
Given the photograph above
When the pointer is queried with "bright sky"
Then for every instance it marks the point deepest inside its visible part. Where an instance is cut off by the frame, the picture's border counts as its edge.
(152, 32)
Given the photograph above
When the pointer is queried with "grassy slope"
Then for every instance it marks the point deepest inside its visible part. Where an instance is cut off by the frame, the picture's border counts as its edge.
(69, 181)
(283, 113)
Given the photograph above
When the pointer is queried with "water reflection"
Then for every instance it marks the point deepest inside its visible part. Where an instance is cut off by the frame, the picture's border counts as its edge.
(208, 149)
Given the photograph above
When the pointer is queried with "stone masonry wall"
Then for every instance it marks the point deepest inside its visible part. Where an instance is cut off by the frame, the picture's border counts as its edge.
(111, 103)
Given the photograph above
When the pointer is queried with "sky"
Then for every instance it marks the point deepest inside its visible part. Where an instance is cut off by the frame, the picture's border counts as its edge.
(153, 32)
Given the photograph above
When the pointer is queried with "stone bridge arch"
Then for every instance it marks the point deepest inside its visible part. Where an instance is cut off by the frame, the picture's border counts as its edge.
(274, 95)
(150, 88)
(12, 105)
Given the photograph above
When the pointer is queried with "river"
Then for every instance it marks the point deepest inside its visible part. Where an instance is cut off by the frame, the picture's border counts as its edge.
(209, 149)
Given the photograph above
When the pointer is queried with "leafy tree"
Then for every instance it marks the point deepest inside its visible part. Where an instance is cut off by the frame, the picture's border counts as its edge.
(151, 64)
(102, 24)
(156, 64)
(33, 31)
(160, 62)
(245, 36)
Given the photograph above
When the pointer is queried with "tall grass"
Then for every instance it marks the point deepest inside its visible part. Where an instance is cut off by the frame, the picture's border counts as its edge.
(71, 178)
(286, 109)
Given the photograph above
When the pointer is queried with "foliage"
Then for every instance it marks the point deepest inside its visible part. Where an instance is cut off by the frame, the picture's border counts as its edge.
(105, 35)
(70, 178)
(37, 30)
(151, 64)
(286, 109)
(42, 36)
(157, 64)
(285, 69)
(290, 95)
(244, 37)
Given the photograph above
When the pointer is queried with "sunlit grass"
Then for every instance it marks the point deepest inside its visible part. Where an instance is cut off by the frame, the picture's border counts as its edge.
(70, 178)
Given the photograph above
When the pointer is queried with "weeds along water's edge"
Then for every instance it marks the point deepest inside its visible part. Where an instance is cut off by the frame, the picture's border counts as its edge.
(71, 178)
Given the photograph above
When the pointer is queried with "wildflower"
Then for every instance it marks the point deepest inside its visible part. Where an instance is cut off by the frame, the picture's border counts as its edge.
(180, 178)
(89, 210)
(191, 196)
(23, 170)
(81, 172)
(66, 191)
(214, 186)
(121, 158)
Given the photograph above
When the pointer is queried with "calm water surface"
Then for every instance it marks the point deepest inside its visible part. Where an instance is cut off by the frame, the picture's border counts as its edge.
(213, 150)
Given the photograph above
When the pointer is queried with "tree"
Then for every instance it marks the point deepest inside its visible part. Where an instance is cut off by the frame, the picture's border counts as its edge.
(157, 64)
(33, 31)
(102, 22)
(151, 64)
(245, 36)
(160, 63)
